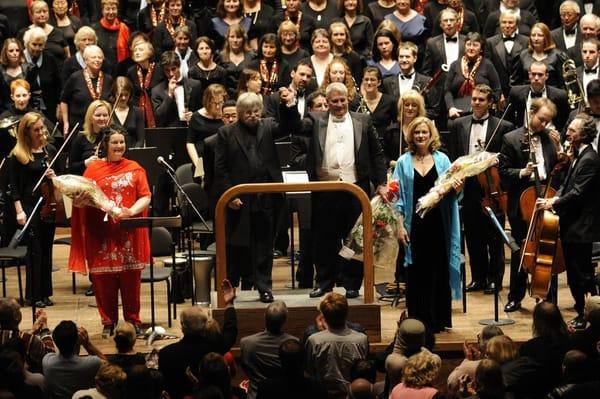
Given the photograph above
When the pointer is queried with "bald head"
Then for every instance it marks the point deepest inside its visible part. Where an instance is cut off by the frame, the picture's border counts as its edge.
(193, 320)
(361, 389)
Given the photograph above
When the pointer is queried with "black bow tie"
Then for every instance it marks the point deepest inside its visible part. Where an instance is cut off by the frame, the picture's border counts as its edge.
(508, 38)
(533, 94)
(570, 32)
(591, 70)
(452, 39)
(478, 121)
(299, 93)
(406, 77)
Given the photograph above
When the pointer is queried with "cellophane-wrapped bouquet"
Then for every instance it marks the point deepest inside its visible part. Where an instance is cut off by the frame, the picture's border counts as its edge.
(86, 192)
(463, 167)
(385, 220)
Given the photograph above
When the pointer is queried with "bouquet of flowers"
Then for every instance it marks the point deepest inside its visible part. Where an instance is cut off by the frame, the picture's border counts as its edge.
(86, 193)
(385, 221)
(465, 166)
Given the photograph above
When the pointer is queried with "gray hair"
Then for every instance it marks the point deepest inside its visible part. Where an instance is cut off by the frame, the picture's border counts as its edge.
(33, 34)
(84, 31)
(193, 320)
(248, 101)
(276, 316)
(337, 87)
(448, 10)
(510, 13)
(593, 18)
(92, 48)
(587, 128)
(570, 4)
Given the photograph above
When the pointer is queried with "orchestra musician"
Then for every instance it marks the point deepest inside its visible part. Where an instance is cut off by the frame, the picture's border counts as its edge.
(576, 203)
(114, 256)
(26, 165)
(85, 145)
(517, 172)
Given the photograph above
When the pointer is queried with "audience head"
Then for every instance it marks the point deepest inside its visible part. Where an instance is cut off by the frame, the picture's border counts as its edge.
(12, 369)
(275, 317)
(540, 39)
(301, 74)
(231, 8)
(291, 355)
(421, 369)
(288, 34)
(488, 379)
(340, 38)
(548, 321)
(365, 369)
(582, 130)
(448, 18)
(66, 337)
(502, 349)
(410, 105)
(213, 98)
(142, 384)
(592, 302)
(268, 47)
(213, 370)
(12, 53)
(193, 321)
(575, 365)
(422, 125)
(250, 81)
(96, 117)
(236, 42)
(474, 44)
(10, 314)
(487, 333)
(411, 336)
(20, 93)
(509, 22)
(337, 99)
(110, 381)
(123, 88)
(361, 389)
(205, 48)
(334, 308)
(541, 112)
(125, 336)
(385, 45)
(320, 42)
(569, 14)
(35, 41)
(249, 108)
(183, 38)
(317, 101)
(589, 25)
(229, 112)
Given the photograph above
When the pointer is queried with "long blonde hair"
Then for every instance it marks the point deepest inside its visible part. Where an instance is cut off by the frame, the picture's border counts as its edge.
(88, 128)
(22, 150)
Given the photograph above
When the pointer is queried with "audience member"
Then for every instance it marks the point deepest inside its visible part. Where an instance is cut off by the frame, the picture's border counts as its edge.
(418, 375)
(110, 384)
(126, 356)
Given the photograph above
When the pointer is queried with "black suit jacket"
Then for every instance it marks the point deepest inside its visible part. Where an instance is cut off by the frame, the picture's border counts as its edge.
(368, 154)
(518, 98)
(559, 39)
(513, 158)
(234, 164)
(391, 86)
(435, 54)
(506, 64)
(577, 203)
(460, 130)
(165, 107)
(492, 23)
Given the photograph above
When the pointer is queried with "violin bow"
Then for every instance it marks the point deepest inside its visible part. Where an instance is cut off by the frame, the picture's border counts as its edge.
(497, 126)
(112, 112)
(55, 157)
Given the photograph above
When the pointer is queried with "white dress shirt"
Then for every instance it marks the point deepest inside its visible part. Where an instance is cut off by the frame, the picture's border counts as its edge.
(570, 39)
(179, 97)
(451, 50)
(477, 136)
(338, 155)
(406, 83)
(588, 77)
(539, 157)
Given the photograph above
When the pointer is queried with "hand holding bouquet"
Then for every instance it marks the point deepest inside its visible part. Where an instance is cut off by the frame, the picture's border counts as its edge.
(385, 221)
(463, 167)
(85, 192)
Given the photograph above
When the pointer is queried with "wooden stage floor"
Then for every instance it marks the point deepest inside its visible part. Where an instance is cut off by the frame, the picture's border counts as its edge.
(77, 308)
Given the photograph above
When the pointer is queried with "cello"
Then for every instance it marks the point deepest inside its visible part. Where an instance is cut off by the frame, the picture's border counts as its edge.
(541, 254)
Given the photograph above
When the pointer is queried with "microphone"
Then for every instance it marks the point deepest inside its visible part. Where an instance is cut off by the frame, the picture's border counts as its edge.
(164, 163)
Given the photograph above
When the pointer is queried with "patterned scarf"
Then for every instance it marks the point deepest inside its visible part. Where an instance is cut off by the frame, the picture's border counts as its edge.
(145, 103)
(467, 86)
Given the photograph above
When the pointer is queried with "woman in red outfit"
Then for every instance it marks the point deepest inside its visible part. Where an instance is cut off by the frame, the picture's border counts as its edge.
(115, 256)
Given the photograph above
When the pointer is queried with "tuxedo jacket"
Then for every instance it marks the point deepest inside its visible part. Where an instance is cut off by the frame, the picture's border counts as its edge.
(435, 54)
(577, 203)
(368, 155)
(272, 105)
(506, 64)
(514, 157)
(518, 98)
(559, 39)
(391, 86)
(580, 70)
(460, 133)
(492, 23)
(165, 107)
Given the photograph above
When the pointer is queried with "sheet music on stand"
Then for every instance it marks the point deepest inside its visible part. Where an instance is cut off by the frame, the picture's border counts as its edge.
(146, 157)
(170, 144)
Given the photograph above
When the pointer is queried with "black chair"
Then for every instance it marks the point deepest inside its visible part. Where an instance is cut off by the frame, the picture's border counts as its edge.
(13, 257)
(189, 218)
(185, 174)
(161, 245)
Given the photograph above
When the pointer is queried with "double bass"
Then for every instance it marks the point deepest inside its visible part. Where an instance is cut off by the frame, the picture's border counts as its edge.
(541, 254)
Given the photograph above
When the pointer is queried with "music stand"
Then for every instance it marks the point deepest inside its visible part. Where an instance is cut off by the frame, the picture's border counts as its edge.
(149, 223)
(170, 144)
(146, 157)
(511, 243)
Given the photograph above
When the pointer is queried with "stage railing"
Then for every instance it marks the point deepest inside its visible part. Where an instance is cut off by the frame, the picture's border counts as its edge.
(233, 192)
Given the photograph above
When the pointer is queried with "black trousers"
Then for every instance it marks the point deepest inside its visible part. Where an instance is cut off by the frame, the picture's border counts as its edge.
(518, 278)
(580, 272)
(39, 260)
(485, 246)
(334, 214)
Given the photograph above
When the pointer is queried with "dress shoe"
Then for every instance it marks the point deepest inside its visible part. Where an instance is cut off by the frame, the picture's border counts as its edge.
(512, 306)
(48, 302)
(490, 288)
(107, 331)
(318, 292)
(38, 304)
(350, 294)
(90, 291)
(266, 296)
(578, 323)
(139, 332)
(474, 286)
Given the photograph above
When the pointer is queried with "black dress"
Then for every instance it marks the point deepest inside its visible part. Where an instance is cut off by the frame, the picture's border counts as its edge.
(428, 289)
(134, 124)
(40, 235)
(384, 114)
(77, 96)
(200, 128)
(81, 149)
(208, 77)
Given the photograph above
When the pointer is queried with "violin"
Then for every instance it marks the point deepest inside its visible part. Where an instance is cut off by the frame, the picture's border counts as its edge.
(541, 254)
(53, 208)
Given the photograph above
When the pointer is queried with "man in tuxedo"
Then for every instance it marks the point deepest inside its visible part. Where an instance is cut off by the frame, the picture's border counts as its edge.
(503, 51)
(301, 75)
(473, 134)
(526, 21)
(517, 171)
(593, 109)
(522, 96)
(177, 98)
(590, 52)
(576, 203)
(446, 48)
(245, 153)
(343, 147)
(568, 36)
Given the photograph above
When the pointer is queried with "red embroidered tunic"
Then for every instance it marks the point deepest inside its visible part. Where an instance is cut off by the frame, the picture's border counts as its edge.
(104, 246)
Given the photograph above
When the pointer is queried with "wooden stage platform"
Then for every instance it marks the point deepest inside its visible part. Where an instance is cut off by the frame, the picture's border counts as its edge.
(78, 308)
